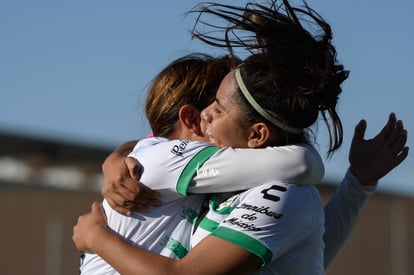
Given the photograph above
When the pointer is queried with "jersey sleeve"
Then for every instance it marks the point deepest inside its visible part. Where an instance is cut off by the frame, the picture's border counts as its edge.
(231, 169)
(169, 166)
(271, 219)
(342, 212)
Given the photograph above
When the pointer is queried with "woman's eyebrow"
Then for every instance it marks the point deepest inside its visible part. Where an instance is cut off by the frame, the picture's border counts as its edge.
(219, 103)
(222, 107)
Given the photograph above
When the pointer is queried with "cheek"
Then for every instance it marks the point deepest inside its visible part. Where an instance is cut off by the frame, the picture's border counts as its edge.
(238, 134)
(232, 135)
(202, 125)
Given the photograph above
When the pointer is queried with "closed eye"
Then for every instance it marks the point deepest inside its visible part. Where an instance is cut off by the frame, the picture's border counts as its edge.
(218, 109)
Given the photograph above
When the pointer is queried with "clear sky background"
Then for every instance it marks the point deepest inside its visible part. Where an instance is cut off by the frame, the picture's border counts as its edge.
(78, 70)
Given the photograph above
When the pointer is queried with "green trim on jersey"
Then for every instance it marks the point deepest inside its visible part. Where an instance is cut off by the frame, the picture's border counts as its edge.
(176, 247)
(245, 241)
(208, 225)
(190, 170)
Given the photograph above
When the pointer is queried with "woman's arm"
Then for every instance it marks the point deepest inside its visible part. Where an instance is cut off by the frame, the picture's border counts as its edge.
(121, 185)
(228, 170)
(262, 224)
(232, 169)
(92, 234)
(370, 160)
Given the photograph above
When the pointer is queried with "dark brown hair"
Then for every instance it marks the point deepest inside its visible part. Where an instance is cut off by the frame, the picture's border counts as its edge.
(292, 70)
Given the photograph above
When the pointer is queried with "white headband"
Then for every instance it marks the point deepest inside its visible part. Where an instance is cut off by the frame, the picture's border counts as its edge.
(271, 118)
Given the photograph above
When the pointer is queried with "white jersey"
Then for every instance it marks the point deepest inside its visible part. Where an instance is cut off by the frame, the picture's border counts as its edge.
(177, 168)
(280, 223)
(341, 214)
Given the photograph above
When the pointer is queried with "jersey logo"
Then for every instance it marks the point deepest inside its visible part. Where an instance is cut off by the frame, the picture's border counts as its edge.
(242, 224)
(268, 193)
(178, 149)
(227, 203)
(260, 210)
(207, 172)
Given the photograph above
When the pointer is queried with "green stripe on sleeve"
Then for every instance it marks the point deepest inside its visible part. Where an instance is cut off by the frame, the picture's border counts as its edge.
(250, 244)
(190, 170)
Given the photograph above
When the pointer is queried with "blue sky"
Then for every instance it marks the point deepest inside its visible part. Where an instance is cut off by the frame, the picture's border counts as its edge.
(78, 70)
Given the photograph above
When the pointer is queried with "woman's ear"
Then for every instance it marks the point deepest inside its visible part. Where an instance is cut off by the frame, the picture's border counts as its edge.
(189, 118)
(259, 135)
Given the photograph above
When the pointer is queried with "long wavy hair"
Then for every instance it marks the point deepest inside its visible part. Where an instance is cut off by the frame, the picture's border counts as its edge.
(291, 70)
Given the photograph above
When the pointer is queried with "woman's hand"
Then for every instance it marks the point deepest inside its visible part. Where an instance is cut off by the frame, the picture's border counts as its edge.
(374, 158)
(121, 187)
(90, 228)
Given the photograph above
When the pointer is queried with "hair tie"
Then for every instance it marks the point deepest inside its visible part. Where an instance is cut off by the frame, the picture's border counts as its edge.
(271, 118)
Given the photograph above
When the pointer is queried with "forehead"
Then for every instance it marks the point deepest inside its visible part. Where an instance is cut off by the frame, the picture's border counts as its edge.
(228, 87)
